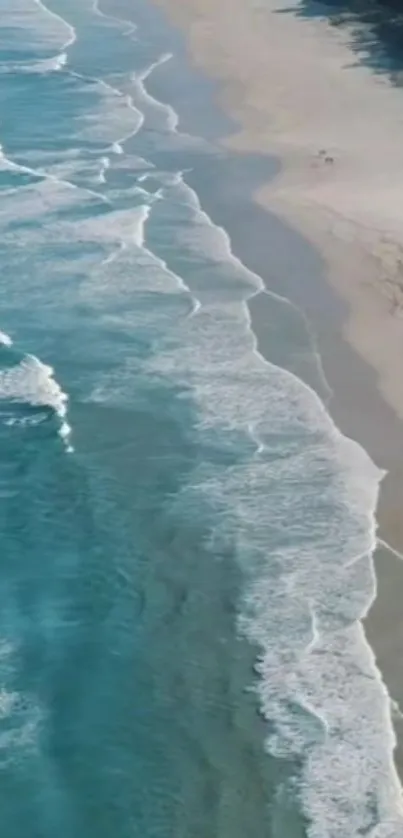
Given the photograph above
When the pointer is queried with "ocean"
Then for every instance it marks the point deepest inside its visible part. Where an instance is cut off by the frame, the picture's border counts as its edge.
(186, 537)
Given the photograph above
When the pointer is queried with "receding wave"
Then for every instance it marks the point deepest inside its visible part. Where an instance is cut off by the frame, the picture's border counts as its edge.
(46, 65)
(29, 27)
(302, 515)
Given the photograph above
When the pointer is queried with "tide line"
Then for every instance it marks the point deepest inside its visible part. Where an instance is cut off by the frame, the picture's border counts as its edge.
(117, 145)
(382, 543)
(132, 27)
(72, 32)
(40, 173)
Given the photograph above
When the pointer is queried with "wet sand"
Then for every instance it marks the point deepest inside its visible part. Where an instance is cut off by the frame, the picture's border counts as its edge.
(294, 88)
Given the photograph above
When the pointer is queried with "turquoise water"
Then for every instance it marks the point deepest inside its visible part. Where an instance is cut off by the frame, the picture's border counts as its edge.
(185, 536)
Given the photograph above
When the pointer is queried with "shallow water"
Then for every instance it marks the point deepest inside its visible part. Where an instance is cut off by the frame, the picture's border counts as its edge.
(174, 505)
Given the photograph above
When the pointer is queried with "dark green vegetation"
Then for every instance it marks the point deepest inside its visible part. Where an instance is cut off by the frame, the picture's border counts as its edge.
(376, 28)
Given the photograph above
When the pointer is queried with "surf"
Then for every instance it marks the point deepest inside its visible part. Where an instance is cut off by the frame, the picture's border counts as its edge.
(28, 388)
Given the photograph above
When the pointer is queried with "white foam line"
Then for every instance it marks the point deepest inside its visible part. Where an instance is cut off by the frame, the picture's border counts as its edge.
(139, 234)
(391, 549)
(355, 559)
(140, 78)
(116, 146)
(132, 27)
(33, 382)
(315, 630)
(104, 166)
(114, 255)
(59, 404)
(140, 239)
(387, 716)
(61, 60)
(19, 167)
(359, 622)
(43, 66)
(196, 306)
(173, 119)
(335, 431)
(178, 279)
(144, 74)
(118, 143)
(313, 711)
(370, 510)
(261, 288)
(72, 36)
(254, 436)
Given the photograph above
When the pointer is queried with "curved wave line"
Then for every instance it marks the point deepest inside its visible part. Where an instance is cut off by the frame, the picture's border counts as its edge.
(73, 35)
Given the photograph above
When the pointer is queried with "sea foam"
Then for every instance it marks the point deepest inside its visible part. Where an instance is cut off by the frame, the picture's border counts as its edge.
(29, 24)
(301, 513)
(301, 516)
(32, 383)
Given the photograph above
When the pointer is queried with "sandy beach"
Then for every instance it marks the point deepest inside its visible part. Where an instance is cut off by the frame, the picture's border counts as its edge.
(299, 92)
(296, 89)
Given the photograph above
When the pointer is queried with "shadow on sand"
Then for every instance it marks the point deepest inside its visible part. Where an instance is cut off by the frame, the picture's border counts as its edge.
(375, 27)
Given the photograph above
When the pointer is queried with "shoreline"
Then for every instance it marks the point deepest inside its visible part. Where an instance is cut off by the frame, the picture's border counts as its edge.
(359, 285)
(347, 373)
